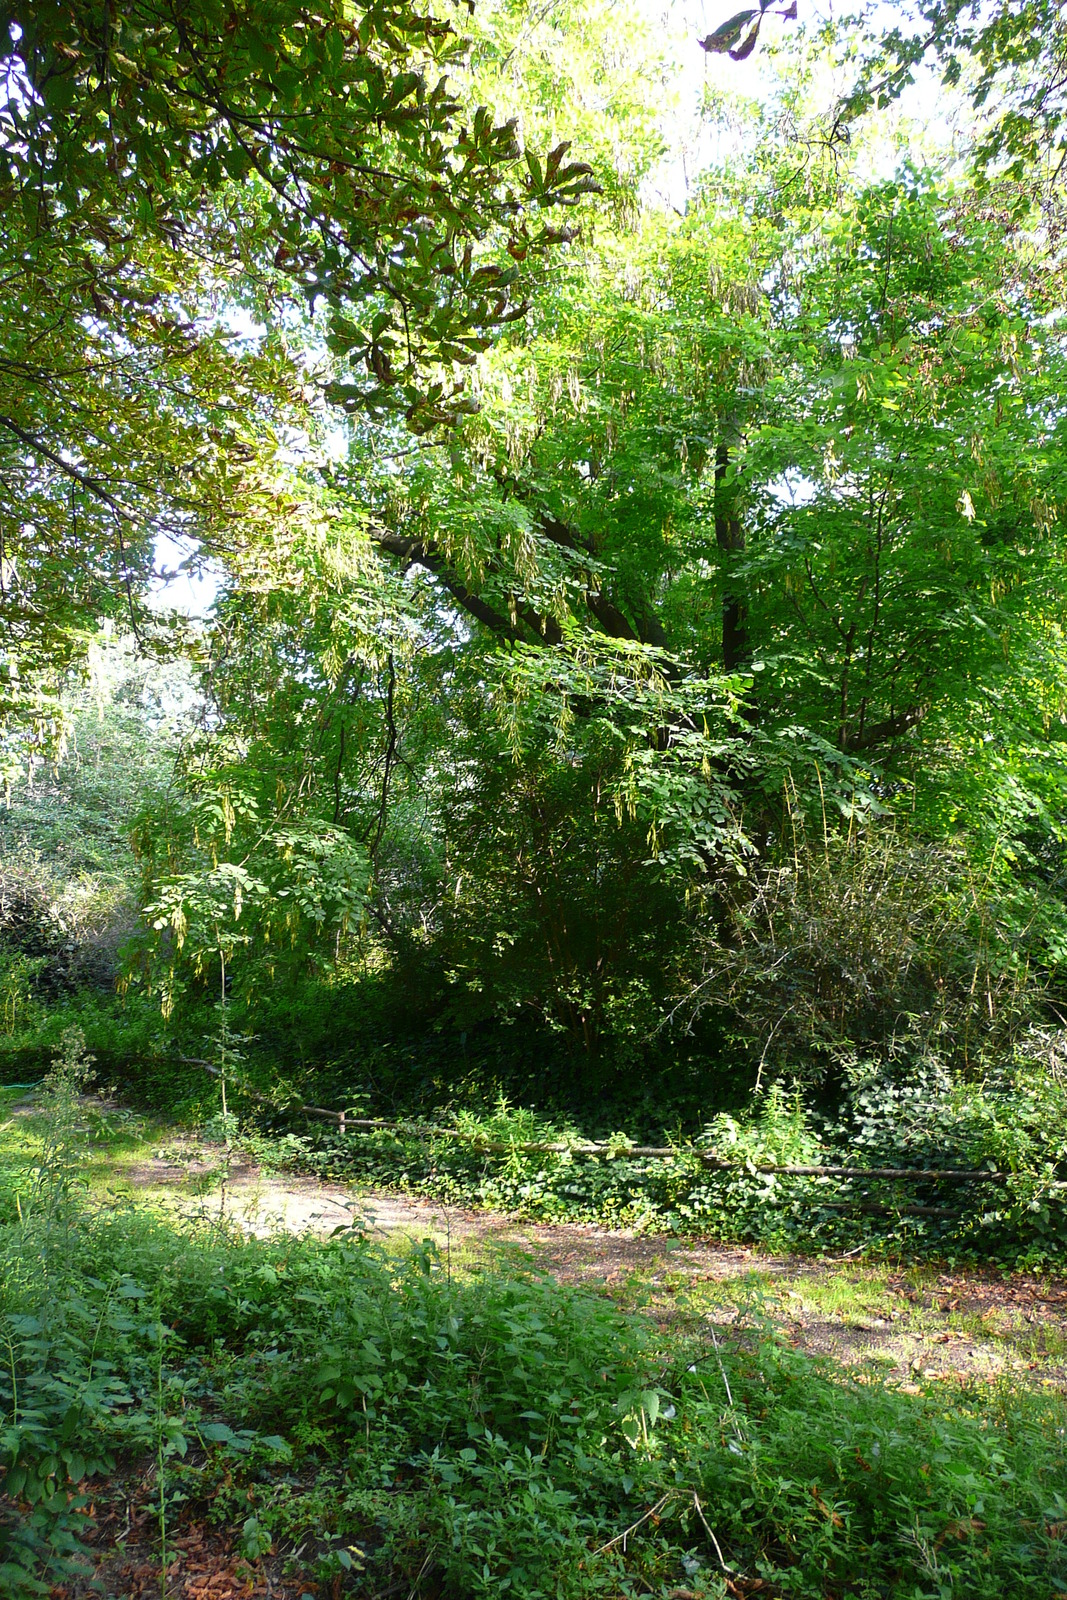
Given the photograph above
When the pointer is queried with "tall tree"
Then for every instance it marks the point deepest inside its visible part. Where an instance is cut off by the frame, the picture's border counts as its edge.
(180, 187)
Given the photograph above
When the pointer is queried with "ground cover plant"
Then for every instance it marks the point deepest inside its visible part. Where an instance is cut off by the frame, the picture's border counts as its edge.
(378, 1418)
(533, 1164)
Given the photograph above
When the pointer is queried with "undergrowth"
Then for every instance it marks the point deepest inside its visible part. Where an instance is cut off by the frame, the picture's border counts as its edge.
(493, 1434)
(875, 1114)
(1018, 1222)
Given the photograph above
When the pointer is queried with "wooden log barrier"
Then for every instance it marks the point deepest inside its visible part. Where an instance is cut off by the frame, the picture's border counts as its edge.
(653, 1152)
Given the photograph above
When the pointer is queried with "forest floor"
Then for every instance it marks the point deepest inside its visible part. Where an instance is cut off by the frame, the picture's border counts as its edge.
(905, 1322)
(905, 1325)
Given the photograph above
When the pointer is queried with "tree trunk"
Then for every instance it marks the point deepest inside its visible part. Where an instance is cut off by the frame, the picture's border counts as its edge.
(730, 538)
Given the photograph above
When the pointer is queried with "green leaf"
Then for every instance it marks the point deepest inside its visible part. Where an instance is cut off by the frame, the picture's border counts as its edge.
(726, 35)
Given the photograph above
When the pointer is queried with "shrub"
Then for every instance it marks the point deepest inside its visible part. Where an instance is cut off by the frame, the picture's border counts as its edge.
(869, 945)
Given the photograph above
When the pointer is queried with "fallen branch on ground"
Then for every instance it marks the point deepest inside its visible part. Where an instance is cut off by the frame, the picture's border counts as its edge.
(644, 1152)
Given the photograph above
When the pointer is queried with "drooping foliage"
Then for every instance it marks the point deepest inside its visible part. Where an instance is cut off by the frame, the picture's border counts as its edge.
(177, 187)
(631, 559)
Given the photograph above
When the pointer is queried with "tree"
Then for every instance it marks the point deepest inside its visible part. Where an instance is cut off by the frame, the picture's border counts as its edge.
(179, 188)
(841, 420)
(747, 512)
(330, 649)
(362, 183)
(1008, 57)
(861, 384)
(124, 415)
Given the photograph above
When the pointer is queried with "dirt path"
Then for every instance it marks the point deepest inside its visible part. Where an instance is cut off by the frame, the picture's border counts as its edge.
(907, 1324)
(911, 1326)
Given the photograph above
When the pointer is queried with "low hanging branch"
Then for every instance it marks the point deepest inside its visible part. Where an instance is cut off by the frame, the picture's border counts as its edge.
(645, 1151)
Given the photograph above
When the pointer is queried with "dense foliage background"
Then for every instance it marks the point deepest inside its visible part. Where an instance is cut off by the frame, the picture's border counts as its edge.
(635, 665)
(623, 474)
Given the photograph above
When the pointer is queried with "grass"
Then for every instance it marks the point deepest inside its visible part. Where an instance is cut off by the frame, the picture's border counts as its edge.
(113, 1140)
(120, 1153)
(418, 1425)
(898, 1307)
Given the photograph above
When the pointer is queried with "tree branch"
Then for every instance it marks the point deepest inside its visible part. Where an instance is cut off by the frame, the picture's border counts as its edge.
(93, 485)
(415, 552)
(648, 629)
(888, 728)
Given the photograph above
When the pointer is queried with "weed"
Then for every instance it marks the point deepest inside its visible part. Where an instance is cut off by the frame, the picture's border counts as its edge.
(1021, 1221)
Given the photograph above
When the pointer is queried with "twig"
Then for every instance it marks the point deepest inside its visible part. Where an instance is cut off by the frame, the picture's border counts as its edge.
(621, 1538)
(722, 1369)
(887, 1210)
(731, 1571)
(422, 1569)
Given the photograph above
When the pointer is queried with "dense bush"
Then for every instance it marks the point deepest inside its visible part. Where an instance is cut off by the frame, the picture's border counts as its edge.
(57, 936)
(870, 944)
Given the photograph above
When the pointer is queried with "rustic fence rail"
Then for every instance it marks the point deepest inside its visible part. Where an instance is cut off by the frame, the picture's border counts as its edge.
(613, 1150)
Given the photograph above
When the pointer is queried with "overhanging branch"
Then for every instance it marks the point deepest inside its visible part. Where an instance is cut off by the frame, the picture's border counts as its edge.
(415, 552)
(93, 485)
(888, 728)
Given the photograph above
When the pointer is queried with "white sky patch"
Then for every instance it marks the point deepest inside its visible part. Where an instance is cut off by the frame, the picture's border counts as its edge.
(242, 325)
(793, 489)
(183, 580)
(927, 124)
